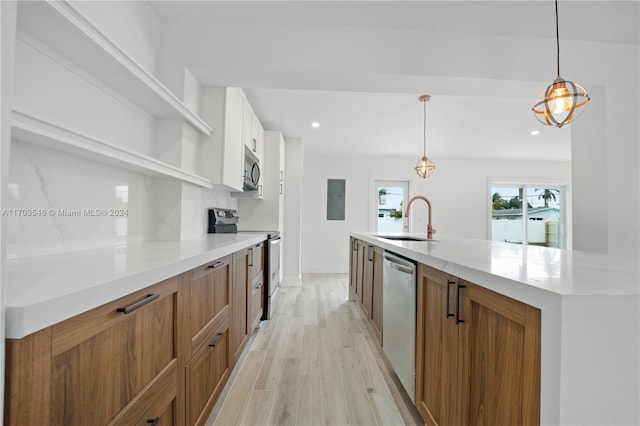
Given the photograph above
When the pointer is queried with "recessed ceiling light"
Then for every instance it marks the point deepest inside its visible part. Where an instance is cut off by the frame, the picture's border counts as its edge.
(315, 124)
(535, 132)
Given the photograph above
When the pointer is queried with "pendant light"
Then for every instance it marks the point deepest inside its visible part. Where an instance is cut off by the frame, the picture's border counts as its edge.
(425, 166)
(562, 101)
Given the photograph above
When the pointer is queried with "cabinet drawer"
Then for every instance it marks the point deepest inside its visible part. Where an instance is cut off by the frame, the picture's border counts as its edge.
(73, 331)
(155, 404)
(206, 375)
(256, 261)
(256, 302)
(207, 295)
(105, 360)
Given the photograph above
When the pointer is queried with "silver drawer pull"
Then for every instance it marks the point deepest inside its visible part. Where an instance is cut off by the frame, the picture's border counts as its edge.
(150, 298)
(216, 265)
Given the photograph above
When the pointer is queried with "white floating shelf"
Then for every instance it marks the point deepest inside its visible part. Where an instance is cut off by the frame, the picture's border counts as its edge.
(62, 27)
(29, 128)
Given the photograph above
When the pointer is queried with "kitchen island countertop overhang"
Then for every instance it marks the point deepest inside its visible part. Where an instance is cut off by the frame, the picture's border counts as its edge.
(527, 273)
(44, 290)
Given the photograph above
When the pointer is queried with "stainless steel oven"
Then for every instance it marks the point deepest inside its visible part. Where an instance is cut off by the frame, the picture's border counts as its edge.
(225, 221)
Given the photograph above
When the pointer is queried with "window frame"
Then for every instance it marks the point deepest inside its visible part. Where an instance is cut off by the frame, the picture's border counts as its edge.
(564, 186)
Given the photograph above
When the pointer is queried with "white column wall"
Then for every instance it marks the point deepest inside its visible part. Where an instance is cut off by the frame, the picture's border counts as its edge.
(293, 212)
(590, 193)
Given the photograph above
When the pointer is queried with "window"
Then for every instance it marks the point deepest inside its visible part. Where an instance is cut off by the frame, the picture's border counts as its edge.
(528, 213)
(390, 199)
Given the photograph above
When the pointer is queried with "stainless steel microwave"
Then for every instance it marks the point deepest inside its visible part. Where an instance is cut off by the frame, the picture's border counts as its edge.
(251, 174)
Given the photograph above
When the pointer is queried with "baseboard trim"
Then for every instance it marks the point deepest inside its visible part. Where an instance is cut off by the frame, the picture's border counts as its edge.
(291, 281)
(329, 269)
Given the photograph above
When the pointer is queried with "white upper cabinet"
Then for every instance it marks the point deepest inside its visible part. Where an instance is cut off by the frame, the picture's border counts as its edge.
(221, 156)
(253, 133)
(267, 214)
(253, 145)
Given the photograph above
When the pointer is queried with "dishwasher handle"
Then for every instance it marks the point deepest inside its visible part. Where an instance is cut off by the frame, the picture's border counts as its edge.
(402, 267)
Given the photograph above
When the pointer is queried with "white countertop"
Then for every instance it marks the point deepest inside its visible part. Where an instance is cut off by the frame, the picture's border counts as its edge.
(526, 273)
(44, 290)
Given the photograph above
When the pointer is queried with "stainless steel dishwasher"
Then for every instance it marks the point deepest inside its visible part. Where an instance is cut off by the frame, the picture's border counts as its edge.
(399, 318)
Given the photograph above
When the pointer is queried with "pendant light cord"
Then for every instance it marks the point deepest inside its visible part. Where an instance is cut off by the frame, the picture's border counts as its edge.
(557, 40)
(424, 128)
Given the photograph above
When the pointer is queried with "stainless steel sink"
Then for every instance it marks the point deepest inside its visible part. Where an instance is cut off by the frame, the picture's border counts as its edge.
(403, 238)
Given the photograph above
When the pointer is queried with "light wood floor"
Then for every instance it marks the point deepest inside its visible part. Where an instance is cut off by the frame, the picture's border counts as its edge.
(316, 363)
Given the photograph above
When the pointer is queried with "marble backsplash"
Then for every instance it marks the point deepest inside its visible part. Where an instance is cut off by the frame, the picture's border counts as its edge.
(58, 202)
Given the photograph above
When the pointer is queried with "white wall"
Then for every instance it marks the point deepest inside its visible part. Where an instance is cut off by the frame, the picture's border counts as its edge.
(7, 37)
(283, 61)
(458, 191)
(293, 212)
(132, 25)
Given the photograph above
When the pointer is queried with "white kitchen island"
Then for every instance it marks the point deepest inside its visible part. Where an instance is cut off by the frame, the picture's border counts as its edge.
(590, 309)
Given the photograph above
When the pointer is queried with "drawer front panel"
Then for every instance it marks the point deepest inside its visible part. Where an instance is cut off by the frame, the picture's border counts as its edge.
(209, 297)
(95, 379)
(206, 375)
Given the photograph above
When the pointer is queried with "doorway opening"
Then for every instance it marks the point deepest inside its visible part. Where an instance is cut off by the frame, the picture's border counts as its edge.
(390, 198)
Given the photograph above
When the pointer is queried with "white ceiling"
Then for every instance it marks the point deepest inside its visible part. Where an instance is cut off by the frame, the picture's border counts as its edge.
(392, 124)
(361, 113)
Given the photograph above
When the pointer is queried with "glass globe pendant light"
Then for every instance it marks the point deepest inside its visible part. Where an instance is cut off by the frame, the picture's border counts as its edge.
(562, 101)
(425, 166)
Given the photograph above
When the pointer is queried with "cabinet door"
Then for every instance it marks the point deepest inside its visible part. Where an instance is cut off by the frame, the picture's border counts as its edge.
(233, 164)
(255, 285)
(206, 375)
(109, 364)
(367, 282)
(209, 296)
(437, 379)
(250, 139)
(256, 292)
(376, 306)
(239, 313)
(256, 261)
(257, 136)
(360, 270)
(502, 359)
(353, 267)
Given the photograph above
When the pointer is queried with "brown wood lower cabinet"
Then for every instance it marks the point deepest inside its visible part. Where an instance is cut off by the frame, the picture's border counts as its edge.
(239, 312)
(353, 267)
(478, 354)
(206, 295)
(161, 355)
(376, 292)
(106, 366)
(255, 286)
(206, 374)
(365, 282)
(360, 259)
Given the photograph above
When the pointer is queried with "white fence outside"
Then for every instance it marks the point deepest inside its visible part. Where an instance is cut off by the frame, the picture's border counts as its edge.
(540, 232)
